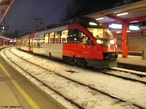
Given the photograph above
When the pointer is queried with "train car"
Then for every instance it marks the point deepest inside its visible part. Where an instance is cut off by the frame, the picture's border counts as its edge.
(25, 42)
(83, 41)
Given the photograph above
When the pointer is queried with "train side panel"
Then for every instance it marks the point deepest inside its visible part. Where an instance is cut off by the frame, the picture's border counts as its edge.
(82, 51)
(24, 45)
(75, 43)
(53, 50)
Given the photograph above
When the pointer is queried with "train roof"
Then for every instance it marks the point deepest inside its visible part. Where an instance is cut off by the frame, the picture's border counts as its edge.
(80, 20)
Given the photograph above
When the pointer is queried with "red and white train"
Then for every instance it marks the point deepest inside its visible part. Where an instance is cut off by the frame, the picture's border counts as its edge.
(83, 41)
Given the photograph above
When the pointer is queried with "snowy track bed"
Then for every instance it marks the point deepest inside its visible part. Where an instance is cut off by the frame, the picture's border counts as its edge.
(125, 74)
(87, 98)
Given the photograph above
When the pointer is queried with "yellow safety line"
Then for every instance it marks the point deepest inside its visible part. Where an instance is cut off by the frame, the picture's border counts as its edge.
(30, 101)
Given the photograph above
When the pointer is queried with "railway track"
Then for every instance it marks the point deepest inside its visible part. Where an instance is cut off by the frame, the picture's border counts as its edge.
(125, 74)
(69, 80)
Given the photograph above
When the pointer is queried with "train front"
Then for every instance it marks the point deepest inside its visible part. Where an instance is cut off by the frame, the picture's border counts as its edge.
(104, 52)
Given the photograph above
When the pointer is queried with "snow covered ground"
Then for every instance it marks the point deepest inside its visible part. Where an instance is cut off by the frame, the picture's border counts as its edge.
(127, 90)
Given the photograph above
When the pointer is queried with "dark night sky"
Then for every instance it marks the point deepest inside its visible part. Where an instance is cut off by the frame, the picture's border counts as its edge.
(22, 14)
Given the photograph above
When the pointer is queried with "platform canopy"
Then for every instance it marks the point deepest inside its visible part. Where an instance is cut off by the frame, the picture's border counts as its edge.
(133, 12)
(4, 6)
(125, 14)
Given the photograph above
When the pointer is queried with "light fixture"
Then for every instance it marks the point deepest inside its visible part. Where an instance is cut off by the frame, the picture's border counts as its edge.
(121, 14)
(118, 31)
(134, 27)
(112, 42)
(115, 26)
(99, 41)
(100, 18)
(92, 23)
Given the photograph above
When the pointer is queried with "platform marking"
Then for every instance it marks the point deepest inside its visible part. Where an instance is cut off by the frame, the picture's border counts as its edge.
(30, 101)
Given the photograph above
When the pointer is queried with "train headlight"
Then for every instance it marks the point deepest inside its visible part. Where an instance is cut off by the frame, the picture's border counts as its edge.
(112, 42)
(99, 41)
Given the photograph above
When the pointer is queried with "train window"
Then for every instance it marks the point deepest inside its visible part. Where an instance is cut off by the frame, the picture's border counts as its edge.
(46, 38)
(64, 36)
(101, 33)
(41, 42)
(22, 42)
(57, 37)
(73, 36)
(51, 37)
(34, 43)
(27, 43)
(76, 36)
(84, 39)
(70, 36)
(38, 44)
(31, 42)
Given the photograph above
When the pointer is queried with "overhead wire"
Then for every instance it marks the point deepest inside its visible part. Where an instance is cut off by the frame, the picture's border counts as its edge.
(55, 9)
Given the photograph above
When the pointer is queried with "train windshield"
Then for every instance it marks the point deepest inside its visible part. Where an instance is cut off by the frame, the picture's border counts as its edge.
(101, 33)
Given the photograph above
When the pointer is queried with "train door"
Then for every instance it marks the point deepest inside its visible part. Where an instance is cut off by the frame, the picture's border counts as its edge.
(31, 36)
(80, 44)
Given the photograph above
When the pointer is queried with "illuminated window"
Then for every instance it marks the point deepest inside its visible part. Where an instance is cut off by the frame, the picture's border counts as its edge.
(46, 38)
(51, 37)
(64, 36)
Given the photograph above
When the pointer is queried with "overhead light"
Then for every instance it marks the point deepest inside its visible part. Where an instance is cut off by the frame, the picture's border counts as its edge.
(118, 32)
(121, 14)
(134, 27)
(100, 18)
(116, 12)
(92, 23)
(128, 31)
(115, 26)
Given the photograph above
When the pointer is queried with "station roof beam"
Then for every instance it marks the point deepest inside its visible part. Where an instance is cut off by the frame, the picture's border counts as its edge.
(6, 4)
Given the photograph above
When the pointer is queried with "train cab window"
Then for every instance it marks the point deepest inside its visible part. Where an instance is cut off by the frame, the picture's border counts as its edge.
(64, 36)
(84, 39)
(101, 33)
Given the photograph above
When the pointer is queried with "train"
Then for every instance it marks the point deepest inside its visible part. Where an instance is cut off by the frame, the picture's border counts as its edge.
(82, 41)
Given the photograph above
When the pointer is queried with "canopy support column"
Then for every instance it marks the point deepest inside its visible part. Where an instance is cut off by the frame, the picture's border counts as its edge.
(124, 42)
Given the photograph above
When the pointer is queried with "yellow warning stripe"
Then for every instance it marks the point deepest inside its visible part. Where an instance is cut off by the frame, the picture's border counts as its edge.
(29, 100)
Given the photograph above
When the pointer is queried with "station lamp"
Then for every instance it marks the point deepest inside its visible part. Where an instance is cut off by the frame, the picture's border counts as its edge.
(100, 18)
(115, 26)
(121, 14)
(134, 27)
(92, 23)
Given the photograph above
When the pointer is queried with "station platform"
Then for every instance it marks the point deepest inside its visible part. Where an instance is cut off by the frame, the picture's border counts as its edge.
(135, 62)
(17, 92)
(13, 96)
